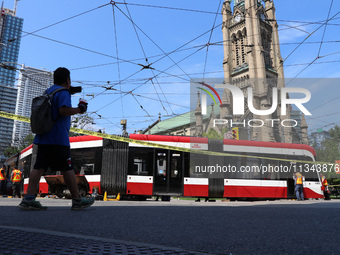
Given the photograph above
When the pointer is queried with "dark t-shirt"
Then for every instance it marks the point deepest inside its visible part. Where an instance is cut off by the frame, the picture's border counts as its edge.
(59, 134)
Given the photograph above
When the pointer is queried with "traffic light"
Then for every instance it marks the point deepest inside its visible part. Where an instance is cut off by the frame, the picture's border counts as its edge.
(235, 133)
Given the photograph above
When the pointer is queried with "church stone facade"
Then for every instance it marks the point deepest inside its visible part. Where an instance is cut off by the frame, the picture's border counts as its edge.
(252, 58)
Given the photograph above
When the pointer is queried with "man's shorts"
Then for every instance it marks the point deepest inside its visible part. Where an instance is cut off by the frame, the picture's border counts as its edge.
(58, 157)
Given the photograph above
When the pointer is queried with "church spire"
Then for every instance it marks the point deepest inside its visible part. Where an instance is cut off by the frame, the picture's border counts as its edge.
(198, 106)
(199, 120)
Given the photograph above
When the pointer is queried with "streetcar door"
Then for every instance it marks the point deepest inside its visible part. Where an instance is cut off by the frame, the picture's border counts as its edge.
(176, 172)
(290, 188)
(161, 175)
(168, 176)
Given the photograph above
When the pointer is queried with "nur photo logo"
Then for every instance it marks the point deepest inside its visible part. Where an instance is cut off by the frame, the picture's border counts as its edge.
(238, 99)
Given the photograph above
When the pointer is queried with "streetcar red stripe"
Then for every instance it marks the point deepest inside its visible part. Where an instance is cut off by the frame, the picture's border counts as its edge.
(194, 190)
(269, 144)
(253, 191)
(137, 188)
(164, 138)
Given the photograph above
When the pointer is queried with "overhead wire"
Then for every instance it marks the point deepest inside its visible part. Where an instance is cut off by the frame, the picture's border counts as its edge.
(155, 69)
(148, 64)
(167, 55)
(324, 31)
(221, 71)
(291, 53)
(61, 21)
(164, 71)
(152, 78)
(121, 60)
(117, 53)
(185, 81)
(208, 44)
(318, 55)
(166, 7)
(81, 48)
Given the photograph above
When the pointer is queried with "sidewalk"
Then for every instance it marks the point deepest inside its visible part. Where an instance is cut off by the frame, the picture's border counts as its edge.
(42, 242)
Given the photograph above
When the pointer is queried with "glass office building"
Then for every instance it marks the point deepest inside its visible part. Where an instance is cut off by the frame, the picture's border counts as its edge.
(10, 37)
(32, 83)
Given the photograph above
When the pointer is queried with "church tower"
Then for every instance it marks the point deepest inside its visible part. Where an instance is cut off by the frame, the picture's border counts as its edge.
(252, 58)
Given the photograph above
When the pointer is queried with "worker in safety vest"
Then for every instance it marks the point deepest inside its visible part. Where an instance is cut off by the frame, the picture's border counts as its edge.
(16, 182)
(324, 187)
(3, 180)
(299, 186)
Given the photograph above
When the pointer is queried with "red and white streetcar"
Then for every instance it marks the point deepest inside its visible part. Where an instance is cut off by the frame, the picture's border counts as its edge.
(137, 170)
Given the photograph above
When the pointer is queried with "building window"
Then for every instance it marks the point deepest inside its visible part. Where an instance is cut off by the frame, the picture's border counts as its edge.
(237, 51)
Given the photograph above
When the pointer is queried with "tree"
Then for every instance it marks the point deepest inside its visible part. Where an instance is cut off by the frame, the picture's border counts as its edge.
(10, 151)
(335, 133)
(213, 134)
(22, 144)
(82, 121)
(329, 151)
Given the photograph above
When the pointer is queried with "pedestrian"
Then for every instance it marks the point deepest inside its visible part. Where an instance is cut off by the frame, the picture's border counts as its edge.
(16, 182)
(325, 187)
(54, 146)
(3, 180)
(298, 178)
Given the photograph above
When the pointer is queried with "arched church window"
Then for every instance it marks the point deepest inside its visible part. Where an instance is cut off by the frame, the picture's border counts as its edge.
(243, 51)
(237, 51)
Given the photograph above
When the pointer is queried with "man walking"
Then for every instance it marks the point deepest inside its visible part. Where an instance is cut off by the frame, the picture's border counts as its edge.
(54, 146)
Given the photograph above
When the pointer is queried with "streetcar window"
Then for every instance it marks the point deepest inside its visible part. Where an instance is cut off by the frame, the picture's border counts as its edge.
(176, 165)
(139, 166)
(26, 164)
(140, 161)
(87, 169)
(161, 167)
(86, 161)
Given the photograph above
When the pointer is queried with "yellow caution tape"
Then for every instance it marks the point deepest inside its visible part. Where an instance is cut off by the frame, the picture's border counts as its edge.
(161, 146)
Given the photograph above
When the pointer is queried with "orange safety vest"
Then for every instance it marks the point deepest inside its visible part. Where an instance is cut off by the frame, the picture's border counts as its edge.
(2, 176)
(16, 175)
(298, 178)
(324, 181)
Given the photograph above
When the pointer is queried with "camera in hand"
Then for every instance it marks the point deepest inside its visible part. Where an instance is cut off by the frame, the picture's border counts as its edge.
(74, 90)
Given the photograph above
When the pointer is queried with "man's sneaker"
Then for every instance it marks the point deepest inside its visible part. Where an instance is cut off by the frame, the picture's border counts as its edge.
(83, 203)
(31, 205)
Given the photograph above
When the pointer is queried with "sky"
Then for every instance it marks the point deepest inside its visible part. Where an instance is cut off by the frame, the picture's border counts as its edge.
(105, 46)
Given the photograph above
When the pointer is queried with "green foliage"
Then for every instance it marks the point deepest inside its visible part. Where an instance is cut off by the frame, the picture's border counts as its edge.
(334, 181)
(82, 121)
(213, 134)
(28, 140)
(10, 151)
(335, 133)
(329, 151)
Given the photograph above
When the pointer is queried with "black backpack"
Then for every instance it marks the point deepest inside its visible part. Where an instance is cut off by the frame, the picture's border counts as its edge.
(41, 113)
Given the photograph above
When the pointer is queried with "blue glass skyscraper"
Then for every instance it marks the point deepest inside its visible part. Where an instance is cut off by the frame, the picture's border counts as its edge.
(10, 37)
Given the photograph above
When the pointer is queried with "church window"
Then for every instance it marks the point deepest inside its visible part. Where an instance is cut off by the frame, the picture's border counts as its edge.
(243, 51)
(237, 50)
